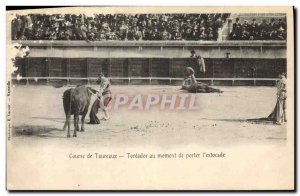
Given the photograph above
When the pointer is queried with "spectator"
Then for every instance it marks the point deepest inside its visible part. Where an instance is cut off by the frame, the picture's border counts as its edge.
(245, 34)
(264, 30)
(137, 34)
(281, 24)
(254, 30)
(235, 25)
(188, 34)
(166, 35)
(246, 26)
(236, 30)
(202, 34)
(210, 34)
(17, 27)
(155, 35)
(82, 31)
(123, 29)
(272, 25)
(195, 34)
(177, 35)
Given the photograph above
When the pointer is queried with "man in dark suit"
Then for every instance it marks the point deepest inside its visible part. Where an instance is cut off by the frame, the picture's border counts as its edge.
(254, 30)
(236, 30)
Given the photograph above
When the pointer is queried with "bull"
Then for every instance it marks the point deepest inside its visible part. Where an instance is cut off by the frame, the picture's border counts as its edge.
(76, 102)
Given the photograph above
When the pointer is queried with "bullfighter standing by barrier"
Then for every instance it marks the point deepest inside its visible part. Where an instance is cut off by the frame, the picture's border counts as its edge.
(190, 83)
(279, 113)
(200, 61)
(104, 96)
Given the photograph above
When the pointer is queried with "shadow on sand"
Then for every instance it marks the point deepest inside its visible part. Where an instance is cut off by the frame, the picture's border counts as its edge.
(35, 131)
(60, 120)
(264, 121)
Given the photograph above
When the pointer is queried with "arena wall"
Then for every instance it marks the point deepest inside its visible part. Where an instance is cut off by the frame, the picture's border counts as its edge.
(156, 49)
(142, 62)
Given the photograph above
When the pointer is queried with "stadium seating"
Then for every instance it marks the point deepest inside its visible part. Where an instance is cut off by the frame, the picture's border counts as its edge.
(258, 27)
(118, 27)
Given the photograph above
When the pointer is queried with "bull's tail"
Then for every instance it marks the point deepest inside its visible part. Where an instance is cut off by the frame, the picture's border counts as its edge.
(71, 95)
(68, 113)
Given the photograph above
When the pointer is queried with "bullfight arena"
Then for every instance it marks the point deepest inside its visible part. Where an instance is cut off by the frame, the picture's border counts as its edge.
(226, 119)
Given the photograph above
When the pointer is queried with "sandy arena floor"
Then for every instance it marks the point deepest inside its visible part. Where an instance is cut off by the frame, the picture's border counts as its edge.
(38, 118)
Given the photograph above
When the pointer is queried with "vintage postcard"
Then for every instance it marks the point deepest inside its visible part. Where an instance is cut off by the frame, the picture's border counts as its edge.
(150, 98)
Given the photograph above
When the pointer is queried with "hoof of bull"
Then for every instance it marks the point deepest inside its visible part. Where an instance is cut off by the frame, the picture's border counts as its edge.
(74, 135)
(82, 130)
(68, 136)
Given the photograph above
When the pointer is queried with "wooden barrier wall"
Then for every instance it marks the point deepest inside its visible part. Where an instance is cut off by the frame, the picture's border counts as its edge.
(148, 67)
(153, 59)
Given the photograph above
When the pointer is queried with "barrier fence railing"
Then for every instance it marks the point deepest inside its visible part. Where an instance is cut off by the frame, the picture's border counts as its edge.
(90, 80)
(150, 43)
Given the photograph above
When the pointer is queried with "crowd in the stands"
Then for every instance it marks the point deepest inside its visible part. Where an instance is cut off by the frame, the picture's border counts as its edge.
(118, 27)
(266, 30)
